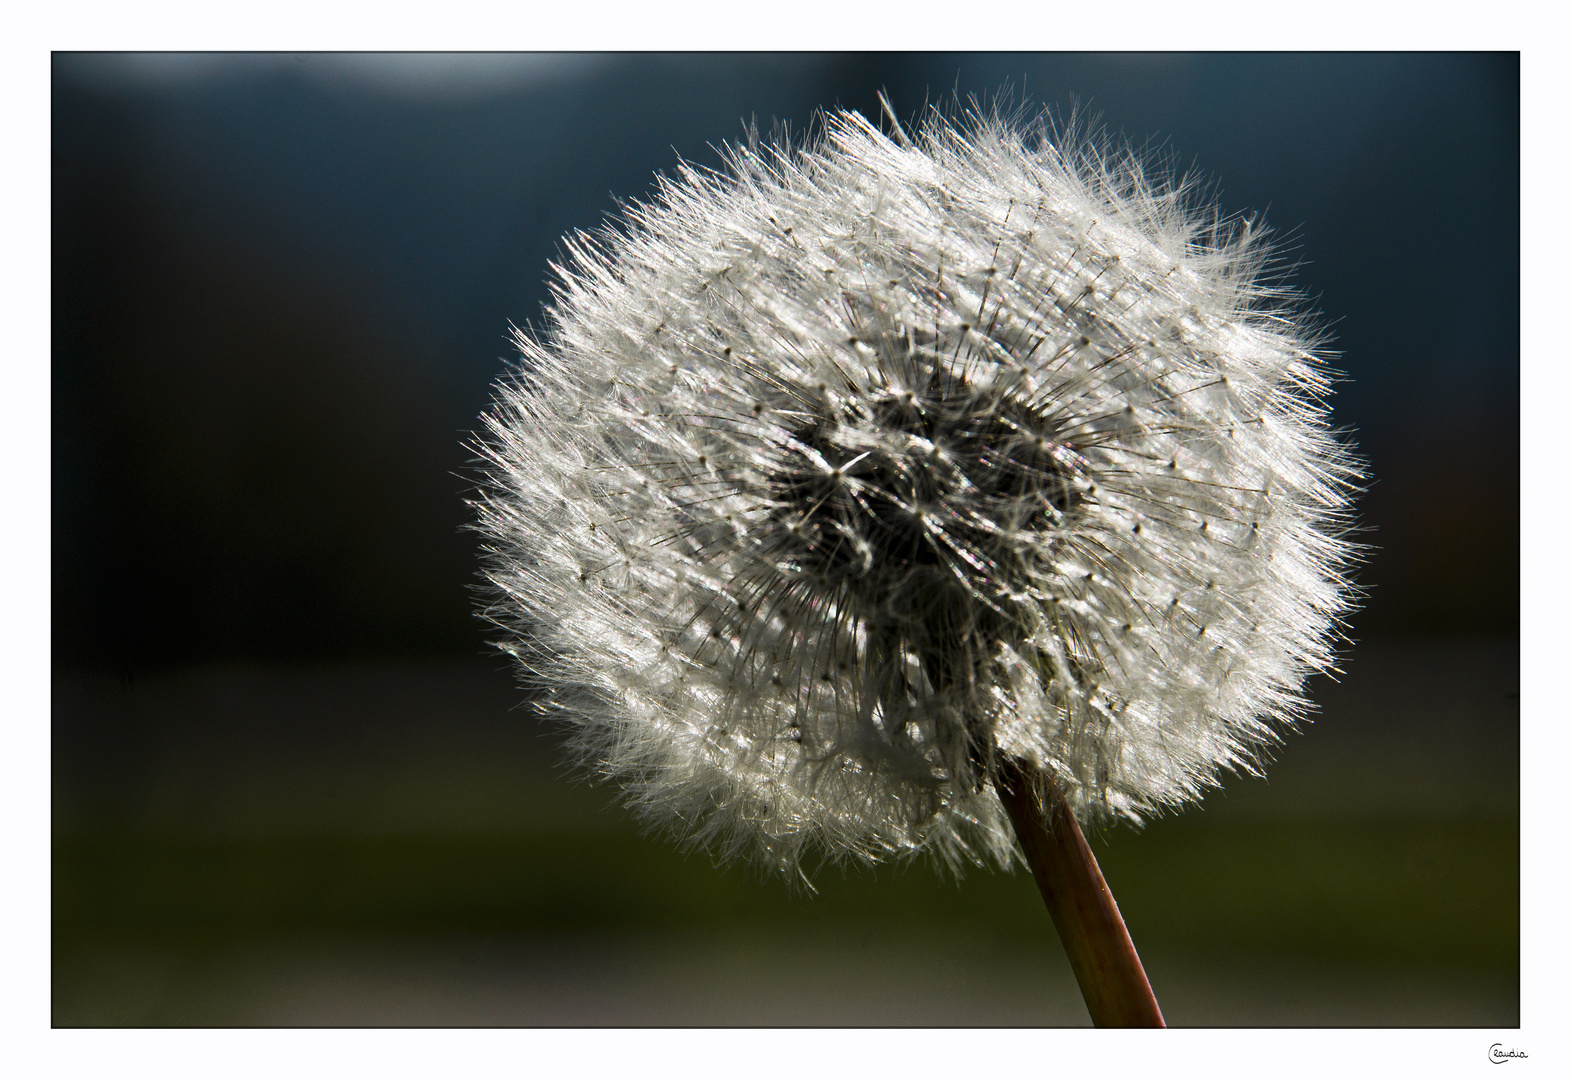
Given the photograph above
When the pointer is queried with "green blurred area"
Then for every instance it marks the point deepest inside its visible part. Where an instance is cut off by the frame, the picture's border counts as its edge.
(364, 846)
(1388, 892)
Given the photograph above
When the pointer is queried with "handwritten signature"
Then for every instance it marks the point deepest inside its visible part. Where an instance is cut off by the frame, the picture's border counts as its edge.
(1498, 1056)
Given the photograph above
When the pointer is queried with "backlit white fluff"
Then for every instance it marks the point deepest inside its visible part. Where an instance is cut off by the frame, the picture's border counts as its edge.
(841, 474)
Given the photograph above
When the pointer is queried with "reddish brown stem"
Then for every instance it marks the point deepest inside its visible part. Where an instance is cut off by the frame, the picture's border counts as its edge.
(1116, 990)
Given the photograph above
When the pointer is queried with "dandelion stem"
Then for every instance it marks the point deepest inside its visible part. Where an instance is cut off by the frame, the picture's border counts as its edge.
(1105, 963)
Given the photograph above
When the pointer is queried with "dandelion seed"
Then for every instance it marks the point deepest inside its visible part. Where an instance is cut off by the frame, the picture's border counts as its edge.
(927, 468)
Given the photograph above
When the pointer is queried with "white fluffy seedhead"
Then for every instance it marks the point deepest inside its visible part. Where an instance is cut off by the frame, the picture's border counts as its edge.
(843, 474)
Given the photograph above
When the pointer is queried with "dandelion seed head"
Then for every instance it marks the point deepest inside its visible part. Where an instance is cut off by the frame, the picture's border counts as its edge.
(842, 473)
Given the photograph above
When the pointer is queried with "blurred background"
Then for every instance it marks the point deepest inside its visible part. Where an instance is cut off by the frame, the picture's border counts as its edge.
(291, 783)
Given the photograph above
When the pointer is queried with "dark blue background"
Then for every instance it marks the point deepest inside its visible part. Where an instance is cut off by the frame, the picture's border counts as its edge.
(282, 287)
